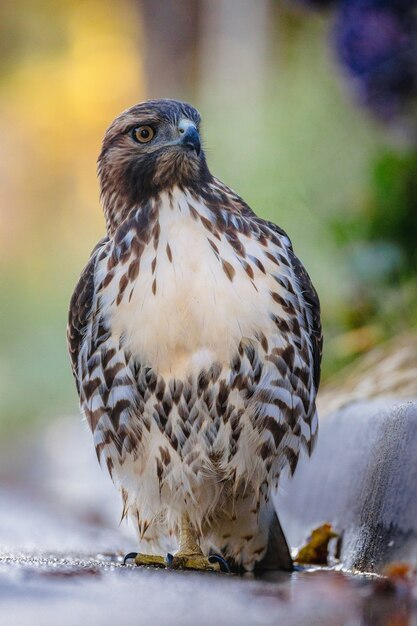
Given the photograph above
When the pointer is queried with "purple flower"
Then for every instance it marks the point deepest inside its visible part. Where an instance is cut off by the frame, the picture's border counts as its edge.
(376, 43)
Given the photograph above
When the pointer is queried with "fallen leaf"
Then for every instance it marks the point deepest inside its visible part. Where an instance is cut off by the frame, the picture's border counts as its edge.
(316, 550)
(397, 569)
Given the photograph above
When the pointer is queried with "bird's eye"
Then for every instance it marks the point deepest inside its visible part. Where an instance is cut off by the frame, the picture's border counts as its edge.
(143, 134)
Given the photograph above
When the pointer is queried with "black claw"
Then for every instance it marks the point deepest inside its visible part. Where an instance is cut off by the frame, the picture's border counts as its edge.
(216, 558)
(299, 568)
(131, 555)
(169, 560)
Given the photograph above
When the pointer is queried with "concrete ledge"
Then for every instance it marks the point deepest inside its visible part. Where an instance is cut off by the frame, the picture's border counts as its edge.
(362, 478)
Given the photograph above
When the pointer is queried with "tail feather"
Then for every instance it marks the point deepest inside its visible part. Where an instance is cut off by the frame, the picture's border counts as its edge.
(278, 555)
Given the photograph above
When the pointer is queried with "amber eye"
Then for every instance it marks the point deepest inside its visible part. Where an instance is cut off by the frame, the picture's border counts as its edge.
(143, 134)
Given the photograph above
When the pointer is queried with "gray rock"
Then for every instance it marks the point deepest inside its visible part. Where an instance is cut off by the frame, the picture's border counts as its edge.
(362, 479)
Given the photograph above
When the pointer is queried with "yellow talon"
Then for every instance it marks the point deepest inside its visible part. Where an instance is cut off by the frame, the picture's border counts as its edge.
(150, 559)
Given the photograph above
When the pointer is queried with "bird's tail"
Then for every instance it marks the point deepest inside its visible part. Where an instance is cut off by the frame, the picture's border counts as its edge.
(278, 555)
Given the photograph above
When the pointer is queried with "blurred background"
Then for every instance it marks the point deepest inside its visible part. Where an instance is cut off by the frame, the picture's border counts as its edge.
(309, 113)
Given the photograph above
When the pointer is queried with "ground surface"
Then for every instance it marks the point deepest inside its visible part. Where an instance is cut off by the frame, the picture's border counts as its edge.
(68, 589)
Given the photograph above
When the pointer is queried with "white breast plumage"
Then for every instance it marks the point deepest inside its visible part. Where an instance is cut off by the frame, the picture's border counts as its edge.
(192, 302)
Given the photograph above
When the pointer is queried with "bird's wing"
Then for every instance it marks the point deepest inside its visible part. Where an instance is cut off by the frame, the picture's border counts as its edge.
(312, 310)
(284, 404)
(309, 298)
(81, 308)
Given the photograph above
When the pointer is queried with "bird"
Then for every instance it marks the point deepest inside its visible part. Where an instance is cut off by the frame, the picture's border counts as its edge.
(195, 341)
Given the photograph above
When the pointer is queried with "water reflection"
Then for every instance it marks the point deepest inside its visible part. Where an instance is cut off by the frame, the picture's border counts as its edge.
(325, 597)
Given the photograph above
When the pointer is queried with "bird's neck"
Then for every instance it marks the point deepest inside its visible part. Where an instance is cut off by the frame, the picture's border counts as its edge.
(214, 198)
(118, 208)
(116, 211)
(119, 212)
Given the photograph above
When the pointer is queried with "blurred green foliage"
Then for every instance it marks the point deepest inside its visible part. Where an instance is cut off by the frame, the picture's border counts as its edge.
(392, 214)
(379, 241)
(389, 216)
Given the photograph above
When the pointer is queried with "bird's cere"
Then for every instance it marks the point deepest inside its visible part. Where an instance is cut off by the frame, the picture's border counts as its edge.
(185, 124)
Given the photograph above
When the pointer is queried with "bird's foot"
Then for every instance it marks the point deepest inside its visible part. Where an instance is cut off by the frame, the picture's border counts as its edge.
(212, 563)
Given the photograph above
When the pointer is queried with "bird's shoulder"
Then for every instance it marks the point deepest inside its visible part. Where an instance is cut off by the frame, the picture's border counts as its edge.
(239, 215)
(81, 305)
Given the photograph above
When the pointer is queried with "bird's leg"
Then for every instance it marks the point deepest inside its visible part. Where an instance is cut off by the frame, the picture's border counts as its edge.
(188, 538)
(190, 555)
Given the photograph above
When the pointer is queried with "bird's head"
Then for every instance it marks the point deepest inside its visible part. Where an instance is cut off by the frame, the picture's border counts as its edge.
(151, 147)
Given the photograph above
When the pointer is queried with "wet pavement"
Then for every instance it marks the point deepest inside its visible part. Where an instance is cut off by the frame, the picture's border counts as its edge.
(48, 589)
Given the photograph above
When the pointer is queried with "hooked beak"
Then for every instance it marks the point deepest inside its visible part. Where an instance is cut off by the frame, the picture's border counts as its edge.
(189, 136)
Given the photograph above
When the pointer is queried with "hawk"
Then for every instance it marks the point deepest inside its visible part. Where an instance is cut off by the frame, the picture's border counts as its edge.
(195, 341)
